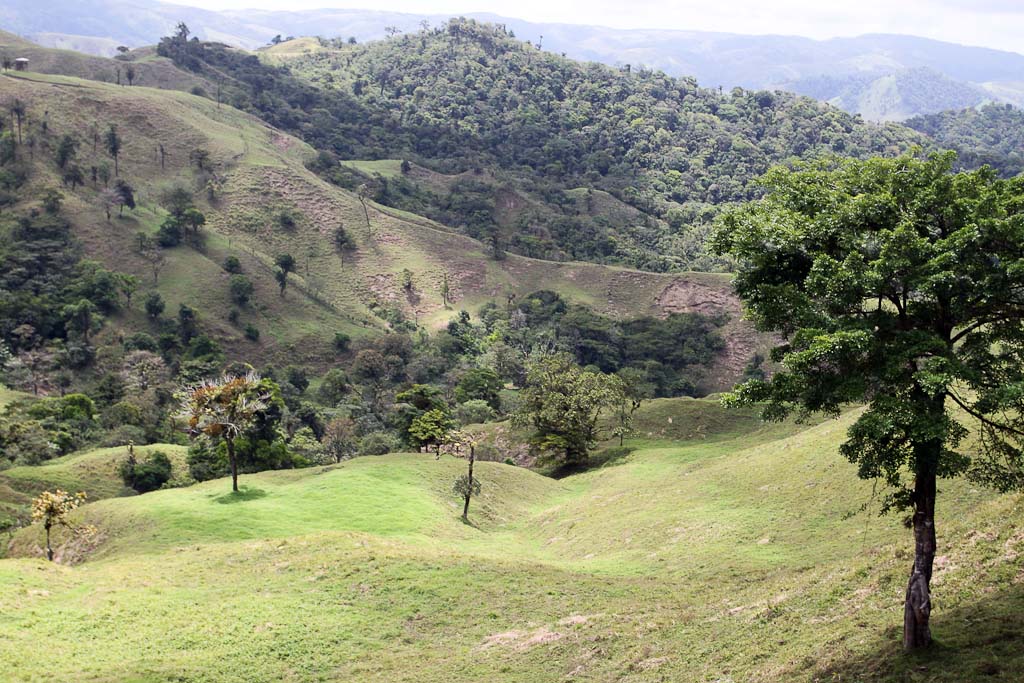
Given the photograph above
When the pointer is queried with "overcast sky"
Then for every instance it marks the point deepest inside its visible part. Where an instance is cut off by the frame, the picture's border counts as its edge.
(988, 23)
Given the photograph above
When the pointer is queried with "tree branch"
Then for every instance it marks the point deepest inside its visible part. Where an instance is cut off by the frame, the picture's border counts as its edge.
(981, 418)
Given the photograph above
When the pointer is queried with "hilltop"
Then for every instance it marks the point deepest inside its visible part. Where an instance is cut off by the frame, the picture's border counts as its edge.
(833, 69)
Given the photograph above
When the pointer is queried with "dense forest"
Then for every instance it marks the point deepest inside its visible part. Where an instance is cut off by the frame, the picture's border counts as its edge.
(993, 135)
(526, 128)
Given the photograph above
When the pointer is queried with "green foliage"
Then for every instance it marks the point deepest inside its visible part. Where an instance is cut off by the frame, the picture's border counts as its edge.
(993, 135)
(378, 443)
(154, 305)
(535, 128)
(481, 384)
(148, 475)
(890, 280)
(241, 289)
(474, 411)
(562, 404)
(232, 265)
(431, 428)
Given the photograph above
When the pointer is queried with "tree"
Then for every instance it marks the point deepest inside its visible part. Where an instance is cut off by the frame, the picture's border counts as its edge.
(340, 438)
(431, 428)
(113, 142)
(109, 198)
(446, 289)
(194, 219)
(480, 383)
(125, 195)
(223, 409)
(18, 110)
(466, 486)
(154, 305)
(635, 390)
(562, 402)
(130, 74)
(362, 192)
(53, 508)
(241, 289)
(896, 284)
(67, 149)
(285, 264)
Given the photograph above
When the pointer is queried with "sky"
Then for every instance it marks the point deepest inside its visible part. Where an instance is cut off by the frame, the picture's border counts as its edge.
(987, 23)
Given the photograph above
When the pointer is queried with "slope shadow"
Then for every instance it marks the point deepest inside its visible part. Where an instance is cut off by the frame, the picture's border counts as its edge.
(979, 641)
(243, 494)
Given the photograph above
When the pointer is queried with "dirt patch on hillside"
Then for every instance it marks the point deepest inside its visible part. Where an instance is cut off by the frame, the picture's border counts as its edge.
(686, 296)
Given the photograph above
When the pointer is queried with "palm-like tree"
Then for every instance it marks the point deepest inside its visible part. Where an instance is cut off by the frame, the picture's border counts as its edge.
(223, 409)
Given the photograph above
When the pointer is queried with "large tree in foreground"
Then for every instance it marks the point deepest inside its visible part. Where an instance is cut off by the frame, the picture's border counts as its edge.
(224, 409)
(900, 285)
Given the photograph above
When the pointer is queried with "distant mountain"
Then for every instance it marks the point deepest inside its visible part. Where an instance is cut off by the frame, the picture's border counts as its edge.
(881, 77)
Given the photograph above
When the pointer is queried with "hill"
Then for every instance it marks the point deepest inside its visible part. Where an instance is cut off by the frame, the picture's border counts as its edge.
(258, 172)
(149, 70)
(354, 571)
(713, 58)
(992, 135)
(534, 127)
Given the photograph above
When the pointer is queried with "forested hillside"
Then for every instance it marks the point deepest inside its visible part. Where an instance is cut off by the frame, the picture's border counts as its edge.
(991, 135)
(514, 137)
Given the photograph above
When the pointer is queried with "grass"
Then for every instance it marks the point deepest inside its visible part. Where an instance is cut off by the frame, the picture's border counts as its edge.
(720, 550)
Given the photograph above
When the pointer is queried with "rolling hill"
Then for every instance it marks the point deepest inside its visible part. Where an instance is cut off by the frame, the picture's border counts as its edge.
(906, 67)
(259, 172)
(355, 571)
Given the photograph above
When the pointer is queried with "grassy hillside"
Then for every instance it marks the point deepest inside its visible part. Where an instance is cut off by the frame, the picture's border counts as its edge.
(152, 71)
(724, 556)
(95, 472)
(259, 172)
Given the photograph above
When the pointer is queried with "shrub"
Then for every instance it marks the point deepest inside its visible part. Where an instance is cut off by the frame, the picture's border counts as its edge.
(474, 411)
(252, 333)
(206, 463)
(148, 475)
(341, 342)
(378, 443)
(233, 265)
(241, 289)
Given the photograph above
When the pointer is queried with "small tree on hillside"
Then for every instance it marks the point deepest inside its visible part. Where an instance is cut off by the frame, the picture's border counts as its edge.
(52, 508)
(113, 142)
(285, 264)
(466, 485)
(340, 440)
(431, 429)
(562, 402)
(897, 284)
(223, 409)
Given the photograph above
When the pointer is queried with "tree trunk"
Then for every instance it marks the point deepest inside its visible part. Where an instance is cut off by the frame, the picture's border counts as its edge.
(49, 550)
(917, 607)
(234, 464)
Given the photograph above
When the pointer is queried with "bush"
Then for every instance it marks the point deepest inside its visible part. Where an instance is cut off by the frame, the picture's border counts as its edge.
(149, 475)
(474, 411)
(252, 333)
(206, 463)
(241, 289)
(170, 233)
(341, 342)
(378, 443)
(233, 265)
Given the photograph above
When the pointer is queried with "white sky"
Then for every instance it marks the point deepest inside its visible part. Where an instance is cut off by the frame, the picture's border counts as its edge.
(988, 23)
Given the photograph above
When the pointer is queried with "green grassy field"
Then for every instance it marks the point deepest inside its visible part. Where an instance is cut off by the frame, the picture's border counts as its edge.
(721, 550)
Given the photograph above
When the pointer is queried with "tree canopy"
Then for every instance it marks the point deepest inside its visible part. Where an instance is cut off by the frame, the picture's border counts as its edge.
(899, 284)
